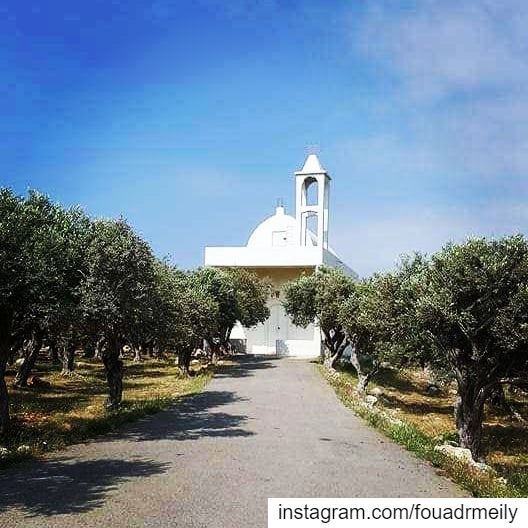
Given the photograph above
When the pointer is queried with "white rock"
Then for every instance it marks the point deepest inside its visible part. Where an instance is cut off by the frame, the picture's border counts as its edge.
(4, 453)
(23, 449)
(19, 362)
(460, 453)
(482, 466)
(371, 400)
(463, 454)
(376, 391)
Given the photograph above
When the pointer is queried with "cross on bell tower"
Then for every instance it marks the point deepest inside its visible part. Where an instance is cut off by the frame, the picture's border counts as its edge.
(312, 194)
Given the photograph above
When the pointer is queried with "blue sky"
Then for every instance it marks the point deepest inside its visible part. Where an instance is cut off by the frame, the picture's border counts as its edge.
(189, 117)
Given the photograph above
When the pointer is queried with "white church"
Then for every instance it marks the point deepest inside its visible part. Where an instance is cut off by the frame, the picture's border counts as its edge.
(282, 248)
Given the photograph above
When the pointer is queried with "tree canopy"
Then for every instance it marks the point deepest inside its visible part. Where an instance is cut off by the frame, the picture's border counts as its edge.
(318, 298)
(472, 306)
(71, 282)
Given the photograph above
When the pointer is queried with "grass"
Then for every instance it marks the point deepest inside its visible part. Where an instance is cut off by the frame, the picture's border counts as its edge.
(67, 410)
(410, 416)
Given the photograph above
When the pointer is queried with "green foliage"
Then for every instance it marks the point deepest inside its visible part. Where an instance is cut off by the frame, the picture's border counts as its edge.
(40, 270)
(120, 274)
(299, 300)
(71, 281)
(251, 295)
(318, 298)
(238, 294)
(472, 301)
(471, 304)
(41, 251)
(462, 313)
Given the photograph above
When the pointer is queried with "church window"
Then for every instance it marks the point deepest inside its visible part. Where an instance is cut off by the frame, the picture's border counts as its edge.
(279, 238)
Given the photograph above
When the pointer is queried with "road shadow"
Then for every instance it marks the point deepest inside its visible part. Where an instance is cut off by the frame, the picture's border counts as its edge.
(65, 485)
(246, 365)
(193, 418)
(200, 415)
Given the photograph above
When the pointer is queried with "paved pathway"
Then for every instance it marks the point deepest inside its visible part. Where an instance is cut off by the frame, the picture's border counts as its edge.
(268, 428)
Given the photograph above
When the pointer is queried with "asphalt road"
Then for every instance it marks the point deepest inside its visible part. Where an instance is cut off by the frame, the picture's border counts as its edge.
(267, 428)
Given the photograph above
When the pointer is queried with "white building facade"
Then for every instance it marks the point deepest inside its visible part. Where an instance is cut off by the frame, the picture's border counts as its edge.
(283, 248)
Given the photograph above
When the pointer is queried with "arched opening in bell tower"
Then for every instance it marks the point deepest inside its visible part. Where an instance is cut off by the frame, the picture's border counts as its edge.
(310, 194)
(309, 228)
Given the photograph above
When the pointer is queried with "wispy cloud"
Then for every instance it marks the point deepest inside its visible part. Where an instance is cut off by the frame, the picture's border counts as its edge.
(461, 67)
(447, 47)
(458, 79)
(376, 241)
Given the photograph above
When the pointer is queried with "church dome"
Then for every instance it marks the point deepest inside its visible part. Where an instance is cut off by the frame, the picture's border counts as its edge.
(277, 230)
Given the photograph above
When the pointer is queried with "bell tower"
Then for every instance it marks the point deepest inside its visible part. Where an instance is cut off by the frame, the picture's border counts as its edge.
(312, 190)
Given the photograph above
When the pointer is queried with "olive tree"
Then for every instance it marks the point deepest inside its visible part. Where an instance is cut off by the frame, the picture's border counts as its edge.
(472, 304)
(38, 269)
(197, 315)
(251, 295)
(318, 298)
(240, 296)
(180, 314)
(365, 327)
(54, 315)
(114, 295)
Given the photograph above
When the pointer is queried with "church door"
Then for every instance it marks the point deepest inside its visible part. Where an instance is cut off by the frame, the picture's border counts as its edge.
(278, 329)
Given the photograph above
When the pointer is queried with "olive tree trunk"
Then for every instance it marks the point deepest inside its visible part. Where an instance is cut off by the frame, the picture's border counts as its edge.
(4, 398)
(335, 344)
(184, 361)
(472, 391)
(54, 353)
(99, 349)
(468, 418)
(137, 354)
(364, 376)
(5, 348)
(28, 364)
(114, 372)
(363, 381)
(68, 360)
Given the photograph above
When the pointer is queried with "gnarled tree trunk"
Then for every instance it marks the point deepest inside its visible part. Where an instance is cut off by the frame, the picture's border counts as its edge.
(25, 369)
(363, 381)
(4, 398)
(364, 378)
(99, 348)
(68, 360)
(5, 347)
(184, 361)
(114, 372)
(54, 352)
(469, 412)
(335, 344)
(137, 354)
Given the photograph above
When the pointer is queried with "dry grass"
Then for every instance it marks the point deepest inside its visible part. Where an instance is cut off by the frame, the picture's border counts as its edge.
(406, 397)
(65, 410)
